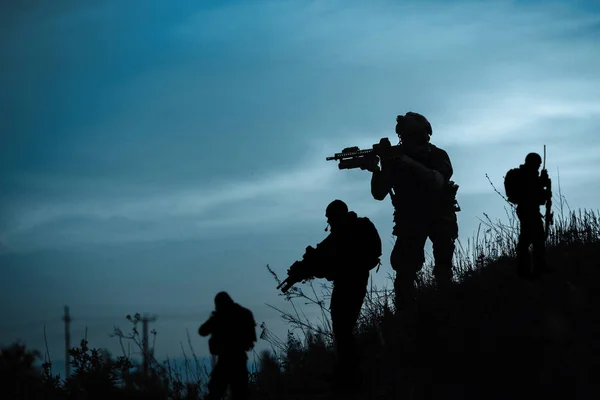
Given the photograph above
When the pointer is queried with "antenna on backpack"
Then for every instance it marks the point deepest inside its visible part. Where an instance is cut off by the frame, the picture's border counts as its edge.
(544, 165)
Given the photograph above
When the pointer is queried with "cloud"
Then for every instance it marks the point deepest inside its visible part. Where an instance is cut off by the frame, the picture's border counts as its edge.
(270, 200)
(233, 133)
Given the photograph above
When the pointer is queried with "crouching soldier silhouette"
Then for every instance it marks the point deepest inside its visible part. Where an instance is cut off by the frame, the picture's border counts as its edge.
(528, 189)
(417, 179)
(233, 333)
(345, 257)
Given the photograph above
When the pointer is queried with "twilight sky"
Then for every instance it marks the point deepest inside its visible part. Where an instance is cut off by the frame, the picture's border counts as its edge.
(153, 155)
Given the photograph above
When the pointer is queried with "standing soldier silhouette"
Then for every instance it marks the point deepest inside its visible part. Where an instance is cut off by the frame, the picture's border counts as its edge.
(424, 200)
(529, 190)
(345, 257)
(233, 333)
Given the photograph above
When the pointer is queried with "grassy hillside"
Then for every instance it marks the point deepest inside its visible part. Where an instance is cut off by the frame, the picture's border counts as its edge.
(491, 336)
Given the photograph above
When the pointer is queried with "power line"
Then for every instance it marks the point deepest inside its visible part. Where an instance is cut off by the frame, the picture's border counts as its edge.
(145, 320)
(67, 319)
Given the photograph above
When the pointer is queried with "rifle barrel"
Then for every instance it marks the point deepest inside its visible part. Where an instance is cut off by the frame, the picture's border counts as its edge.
(285, 281)
(349, 154)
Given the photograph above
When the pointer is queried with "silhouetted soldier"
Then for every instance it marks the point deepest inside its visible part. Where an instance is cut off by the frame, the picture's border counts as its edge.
(345, 257)
(233, 333)
(528, 189)
(424, 200)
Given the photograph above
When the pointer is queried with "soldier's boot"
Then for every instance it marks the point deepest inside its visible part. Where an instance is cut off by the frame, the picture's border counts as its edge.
(443, 275)
(523, 262)
(540, 266)
(443, 253)
(217, 386)
(540, 269)
(404, 292)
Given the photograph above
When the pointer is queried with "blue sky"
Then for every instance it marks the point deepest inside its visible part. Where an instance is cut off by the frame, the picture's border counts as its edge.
(153, 155)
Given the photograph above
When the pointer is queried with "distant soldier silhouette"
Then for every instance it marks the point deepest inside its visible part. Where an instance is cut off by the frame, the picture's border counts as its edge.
(424, 200)
(233, 333)
(528, 189)
(345, 257)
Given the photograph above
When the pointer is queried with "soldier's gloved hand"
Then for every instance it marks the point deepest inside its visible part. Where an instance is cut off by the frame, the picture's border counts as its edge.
(372, 165)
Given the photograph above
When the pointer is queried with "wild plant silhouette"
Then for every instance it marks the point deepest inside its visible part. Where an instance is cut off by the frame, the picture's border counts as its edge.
(492, 335)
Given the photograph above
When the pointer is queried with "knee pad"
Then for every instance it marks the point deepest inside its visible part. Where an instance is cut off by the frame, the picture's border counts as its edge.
(443, 247)
(406, 259)
(444, 253)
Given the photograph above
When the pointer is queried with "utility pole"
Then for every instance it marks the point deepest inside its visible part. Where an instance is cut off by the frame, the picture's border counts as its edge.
(67, 319)
(145, 320)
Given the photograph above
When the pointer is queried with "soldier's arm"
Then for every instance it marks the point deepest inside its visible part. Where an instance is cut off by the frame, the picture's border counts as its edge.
(208, 327)
(380, 184)
(442, 164)
(434, 177)
(321, 257)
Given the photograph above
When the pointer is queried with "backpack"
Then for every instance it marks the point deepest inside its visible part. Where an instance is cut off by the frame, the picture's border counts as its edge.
(513, 185)
(235, 331)
(370, 241)
(247, 330)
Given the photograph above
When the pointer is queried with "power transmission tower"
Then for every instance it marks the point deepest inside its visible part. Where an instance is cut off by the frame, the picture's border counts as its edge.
(67, 319)
(145, 320)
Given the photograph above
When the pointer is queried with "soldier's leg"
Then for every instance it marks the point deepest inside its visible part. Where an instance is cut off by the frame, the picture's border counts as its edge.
(339, 333)
(346, 303)
(218, 381)
(443, 235)
(523, 257)
(539, 247)
(239, 378)
(407, 258)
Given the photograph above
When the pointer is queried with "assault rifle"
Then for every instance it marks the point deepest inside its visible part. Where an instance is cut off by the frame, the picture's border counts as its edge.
(354, 157)
(309, 267)
(298, 271)
(549, 217)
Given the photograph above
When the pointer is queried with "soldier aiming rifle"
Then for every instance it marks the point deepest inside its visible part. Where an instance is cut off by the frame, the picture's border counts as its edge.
(345, 257)
(232, 331)
(417, 176)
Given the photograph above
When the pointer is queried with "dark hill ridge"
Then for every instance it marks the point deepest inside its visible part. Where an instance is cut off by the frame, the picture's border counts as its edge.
(491, 336)
(495, 335)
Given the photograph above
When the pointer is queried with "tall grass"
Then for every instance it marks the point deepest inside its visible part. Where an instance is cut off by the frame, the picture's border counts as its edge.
(406, 353)
(489, 336)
